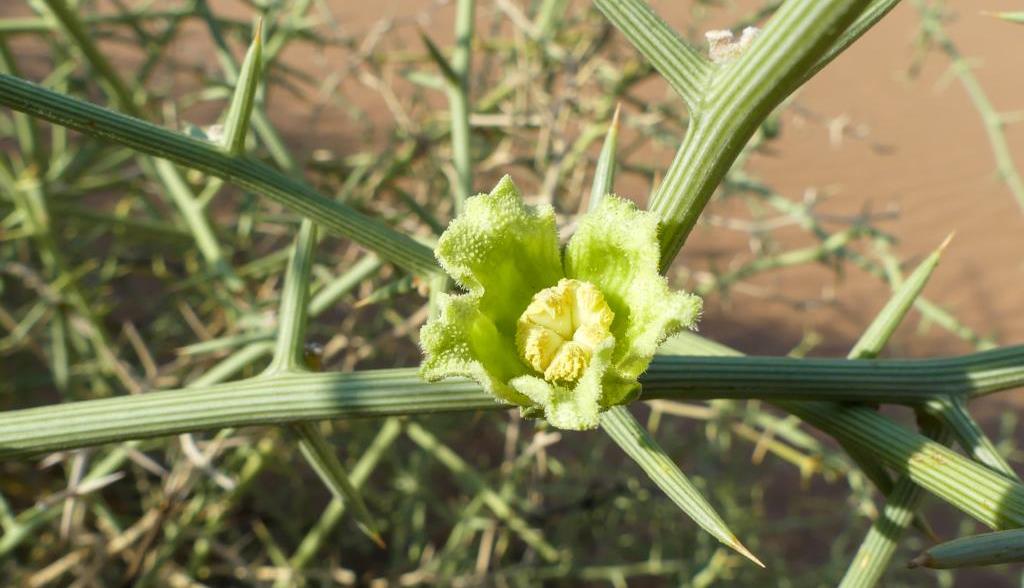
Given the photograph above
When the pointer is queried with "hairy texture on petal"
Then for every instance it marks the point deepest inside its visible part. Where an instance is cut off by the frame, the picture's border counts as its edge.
(615, 247)
(571, 407)
(502, 251)
(463, 341)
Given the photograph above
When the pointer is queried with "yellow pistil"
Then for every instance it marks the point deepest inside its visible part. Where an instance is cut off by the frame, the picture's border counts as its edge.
(560, 329)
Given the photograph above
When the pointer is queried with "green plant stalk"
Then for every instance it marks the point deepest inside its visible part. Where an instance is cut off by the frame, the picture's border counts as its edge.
(239, 76)
(990, 118)
(953, 412)
(875, 552)
(143, 229)
(331, 516)
(901, 499)
(289, 355)
(460, 537)
(985, 495)
(868, 17)
(322, 301)
(879, 546)
(289, 358)
(25, 128)
(83, 41)
(550, 14)
(376, 393)
(343, 284)
(604, 172)
(971, 487)
(624, 429)
(192, 213)
(31, 201)
(244, 172)
(638, 444)
(881, 329)
(795, 257)
(320, 455)
(929, 310)
(738, 96)
(236, 123)
(468, 476)
(987, 549)
(182, 196)
(1015, 17)
(683, 68)
(459, 106)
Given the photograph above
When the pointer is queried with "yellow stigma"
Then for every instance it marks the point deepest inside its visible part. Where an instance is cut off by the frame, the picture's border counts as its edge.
(560, 329)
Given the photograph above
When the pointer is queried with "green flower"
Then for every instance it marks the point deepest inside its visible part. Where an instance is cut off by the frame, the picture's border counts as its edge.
(564, 333)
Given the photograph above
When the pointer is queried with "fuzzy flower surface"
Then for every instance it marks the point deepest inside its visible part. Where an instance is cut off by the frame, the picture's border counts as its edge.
(565, 333)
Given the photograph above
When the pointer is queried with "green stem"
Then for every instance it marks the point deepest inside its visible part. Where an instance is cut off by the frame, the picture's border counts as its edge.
(990, 118)
(739, 96)
(178, 190)
(289, 350)
(458, 102)
(247, 173)
(876, 551)
(683, 67)
(377, 393)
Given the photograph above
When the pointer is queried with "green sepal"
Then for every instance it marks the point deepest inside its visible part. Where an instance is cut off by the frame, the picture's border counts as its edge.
(463, 341)
(571, 407)
(502, 251)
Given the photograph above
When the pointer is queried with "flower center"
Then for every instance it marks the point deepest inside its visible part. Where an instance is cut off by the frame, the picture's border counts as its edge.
(560, 329)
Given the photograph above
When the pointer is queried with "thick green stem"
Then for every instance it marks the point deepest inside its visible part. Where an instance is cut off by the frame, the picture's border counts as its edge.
(738, 97)
(247, 173)
(291, 397)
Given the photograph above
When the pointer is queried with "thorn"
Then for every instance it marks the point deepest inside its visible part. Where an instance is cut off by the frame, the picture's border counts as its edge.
(946, 242)
(373, 535)
(922, 560)
(257, 34)
(615, 117)
(739, 547)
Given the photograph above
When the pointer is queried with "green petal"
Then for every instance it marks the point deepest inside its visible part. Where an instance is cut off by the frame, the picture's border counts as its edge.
(615, 247)
(463, 341)
(576, 408)
(502, 251)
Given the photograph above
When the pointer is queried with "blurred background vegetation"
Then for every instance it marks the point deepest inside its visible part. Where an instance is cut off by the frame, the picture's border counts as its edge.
(120, 275)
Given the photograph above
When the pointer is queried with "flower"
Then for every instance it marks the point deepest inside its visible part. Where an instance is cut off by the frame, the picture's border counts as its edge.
(563, 334)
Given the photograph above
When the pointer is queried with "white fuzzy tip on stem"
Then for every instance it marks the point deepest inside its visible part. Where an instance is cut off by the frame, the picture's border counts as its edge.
(723, 46)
